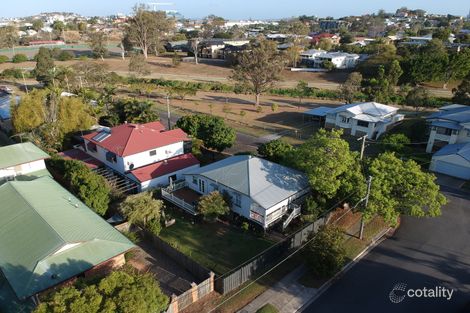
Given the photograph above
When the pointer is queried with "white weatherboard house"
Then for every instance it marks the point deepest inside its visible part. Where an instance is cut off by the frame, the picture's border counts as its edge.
(341, 60)
(450, 125)
(452, 160)
(359, 119)
(22, 159)
(144, 153)
(261, 191)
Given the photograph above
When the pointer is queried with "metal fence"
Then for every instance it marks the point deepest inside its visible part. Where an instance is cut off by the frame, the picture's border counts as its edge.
(260, 263)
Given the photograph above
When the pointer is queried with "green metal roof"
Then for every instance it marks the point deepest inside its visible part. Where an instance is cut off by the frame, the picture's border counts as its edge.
(20, 153)
(37, 219)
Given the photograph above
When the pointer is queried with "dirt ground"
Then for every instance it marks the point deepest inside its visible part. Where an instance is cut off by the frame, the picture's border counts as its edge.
(207, 70)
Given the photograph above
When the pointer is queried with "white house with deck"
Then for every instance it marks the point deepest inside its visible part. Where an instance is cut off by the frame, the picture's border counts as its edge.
(261, 191)
(358, 119)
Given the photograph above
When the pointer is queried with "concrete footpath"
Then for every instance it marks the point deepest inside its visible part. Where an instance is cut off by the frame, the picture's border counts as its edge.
(287, 295)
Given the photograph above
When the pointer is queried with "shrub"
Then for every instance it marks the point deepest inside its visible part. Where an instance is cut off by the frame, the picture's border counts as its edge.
(4, 59)
(268, 308)
(245, 226)
(395, 142)
(65, 55)
(325, 253)
(132, 236)
(143, 210)
(212, 206)
(12, 73)
(19, 58)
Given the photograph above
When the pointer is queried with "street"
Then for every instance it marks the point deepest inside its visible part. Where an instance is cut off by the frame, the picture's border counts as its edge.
(423, 253)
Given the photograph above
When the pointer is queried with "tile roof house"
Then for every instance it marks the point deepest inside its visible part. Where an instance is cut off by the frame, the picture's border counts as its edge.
(145, 154)
(22, 160)
(358, 119)
(48, 236)
(261, 191)
(450, 125)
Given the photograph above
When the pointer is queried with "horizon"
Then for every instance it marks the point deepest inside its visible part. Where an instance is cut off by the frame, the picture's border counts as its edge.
(239, 12)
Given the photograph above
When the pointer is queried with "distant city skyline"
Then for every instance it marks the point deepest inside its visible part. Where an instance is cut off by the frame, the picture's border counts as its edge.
(241, 9)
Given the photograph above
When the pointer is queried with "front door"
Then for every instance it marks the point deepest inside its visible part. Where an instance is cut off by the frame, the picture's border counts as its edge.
(202, 186)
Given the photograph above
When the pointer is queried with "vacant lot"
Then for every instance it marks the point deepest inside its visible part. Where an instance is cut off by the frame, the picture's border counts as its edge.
(216, 246)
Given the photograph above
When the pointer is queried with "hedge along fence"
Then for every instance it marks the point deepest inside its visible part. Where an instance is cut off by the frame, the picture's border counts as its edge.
(197, 291)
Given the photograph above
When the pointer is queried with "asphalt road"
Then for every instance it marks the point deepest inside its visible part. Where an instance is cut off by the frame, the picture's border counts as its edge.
(430, 252)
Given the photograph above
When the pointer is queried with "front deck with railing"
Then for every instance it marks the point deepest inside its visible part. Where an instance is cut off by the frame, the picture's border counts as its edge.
(182, 196)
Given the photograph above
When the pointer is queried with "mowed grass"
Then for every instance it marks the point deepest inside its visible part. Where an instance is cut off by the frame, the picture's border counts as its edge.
(216, 246)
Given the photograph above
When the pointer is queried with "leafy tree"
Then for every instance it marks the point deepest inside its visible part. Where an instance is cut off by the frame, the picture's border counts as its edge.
(326, 152)
(458, 66)
(293, 55)
(442, 33)
(259, 69)
(38, 25)
(394, 73)
(325, 253)
(379, 89)
(401, 187)
(58, 26)
(212, 206)
(325, 44)
(19, 58)
(135, 111)
(90, 187)
(346, 38)
(328, 65)
(90, 74)
(139, 65)
(302, 90)
(417, 97)
(395, 142)
(351, 87)
(462, 92)
(210, 129)
(8, 37)
(98, 44)
(276, 150)
(143, 210)
(146, 28)
(65, 55)
(216, 134)
(44, 66)
(124, 291)
(29, 113)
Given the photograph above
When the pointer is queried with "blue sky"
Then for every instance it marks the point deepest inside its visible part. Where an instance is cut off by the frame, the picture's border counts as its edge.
(236, 9)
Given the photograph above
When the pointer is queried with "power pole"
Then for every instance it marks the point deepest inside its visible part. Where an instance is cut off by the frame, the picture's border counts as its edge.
(168, 111)
(366, 199)
(363, 146)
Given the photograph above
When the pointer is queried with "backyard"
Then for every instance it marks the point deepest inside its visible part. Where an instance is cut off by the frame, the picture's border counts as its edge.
(217, 246)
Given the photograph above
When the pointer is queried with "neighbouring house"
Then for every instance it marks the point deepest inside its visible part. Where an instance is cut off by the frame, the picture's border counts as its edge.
(178, 46)
(450, 125)
(22, 160)
(145, 154)
(261, 191)
(214, 48)
(316, 38)
(452, 160)
(49, 237)
(315, 57)
(359, 119)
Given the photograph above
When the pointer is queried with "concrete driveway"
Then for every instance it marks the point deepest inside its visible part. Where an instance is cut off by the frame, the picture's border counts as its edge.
(424, 253)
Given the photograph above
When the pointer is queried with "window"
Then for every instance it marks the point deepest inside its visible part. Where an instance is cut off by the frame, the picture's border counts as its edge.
(91, 147)
(153, 152)
(237, 200)
(363, 124)
(195, 180)
(444, 131)
(111, 157)
(344, 120)
(202, 186)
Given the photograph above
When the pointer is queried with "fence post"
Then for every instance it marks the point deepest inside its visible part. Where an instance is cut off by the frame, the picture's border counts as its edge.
(174, 304)
(212, 275)
(194, 294)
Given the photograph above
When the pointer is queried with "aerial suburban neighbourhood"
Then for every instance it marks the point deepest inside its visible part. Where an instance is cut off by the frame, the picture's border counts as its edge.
(250, 157)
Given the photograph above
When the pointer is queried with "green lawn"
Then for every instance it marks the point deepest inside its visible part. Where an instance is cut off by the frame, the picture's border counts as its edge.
(216, 246)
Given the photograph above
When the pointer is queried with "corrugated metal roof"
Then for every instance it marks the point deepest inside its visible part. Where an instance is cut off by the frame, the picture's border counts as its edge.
(20, 153)
(320, 111)
(369, 108)
(453, 113)
(267, 183)
(460, 149)
(445, 124)
(38, 218)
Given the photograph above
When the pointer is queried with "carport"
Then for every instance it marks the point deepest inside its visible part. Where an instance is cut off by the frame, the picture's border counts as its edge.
(317, 114)
(452, 160)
